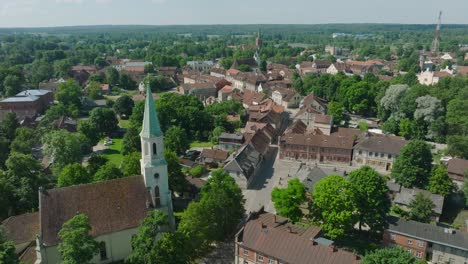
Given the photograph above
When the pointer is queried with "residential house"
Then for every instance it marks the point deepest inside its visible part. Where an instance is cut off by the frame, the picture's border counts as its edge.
(245, 80)
(212, 157)
(245, 164)
(311, 175)
(363, 67)
(462, 70)
(318, 148)
(51, 85)
(457, 168)
(269, 112)
(247, 98)
(337, 67)
(378, 152)
(314, 120)
(316, 102)
(218, 72)
(22, 231)
(402, 197)
(288, 98)
(82, 72)
(429, 77)
(231, 141)
(202, 66)
(268, 238)
(305, 68)
(427, 242)
(225, 92)
(27, 104)
(251, 62)
(200, 90)
(168, 71)
(320, 66)
(252, 128)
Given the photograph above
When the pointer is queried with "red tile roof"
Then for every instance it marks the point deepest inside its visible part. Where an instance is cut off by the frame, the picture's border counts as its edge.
(22, 228)
(457, 167)
(275, 237)
(111, 206)
(227, 89)
(216, 154)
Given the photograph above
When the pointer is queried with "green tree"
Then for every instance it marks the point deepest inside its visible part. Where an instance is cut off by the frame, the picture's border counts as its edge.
(69, 94)
(413, 166)
(9, 125)
(86, 128)
(217, 214)
(288, 200)
(175, 139)
(107, 172)
(389, 255)
(4, 150)
(77, 246)
(406, 128)
(421, 208)
(197, 171)
(12, 85)
(104, 120)
(172, 248)
(73, 174)
(457, 116)
(94, 90)
(144, 242)
(62, 68)
(63, 148)
(177, 181)
(336, 111)
(244, 68)
(217, 131)
(440, 182)
(124, 105)
(370, 193)
(465, 190)
(127, 82)
(131, 141)
(458, 146)
(334, 204)
(24, 140)
(112, 76)
(363, 126)
(131, 164)
(7, 250)
(23, 176)
(95, 162)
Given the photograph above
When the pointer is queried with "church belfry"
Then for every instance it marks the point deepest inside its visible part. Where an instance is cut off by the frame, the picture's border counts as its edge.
(153, 164)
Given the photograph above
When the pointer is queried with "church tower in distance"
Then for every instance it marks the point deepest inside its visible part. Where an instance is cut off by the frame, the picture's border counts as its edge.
(153, 164)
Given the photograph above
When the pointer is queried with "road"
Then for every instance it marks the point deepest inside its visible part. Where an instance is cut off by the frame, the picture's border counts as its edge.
(259, 194)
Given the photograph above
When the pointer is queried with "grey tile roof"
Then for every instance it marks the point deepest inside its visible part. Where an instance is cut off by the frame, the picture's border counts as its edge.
(428, 232)
(37, 92)
(312, 175)
(405, 196)
(381, 144)
(30, 98)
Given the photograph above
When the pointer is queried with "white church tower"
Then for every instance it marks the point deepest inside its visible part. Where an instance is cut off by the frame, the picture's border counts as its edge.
(153, 164)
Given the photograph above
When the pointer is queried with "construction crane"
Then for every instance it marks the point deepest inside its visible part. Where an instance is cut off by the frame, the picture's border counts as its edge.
(435, 42)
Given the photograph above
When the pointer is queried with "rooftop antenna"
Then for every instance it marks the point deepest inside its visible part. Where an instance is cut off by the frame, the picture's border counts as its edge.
(435, 42)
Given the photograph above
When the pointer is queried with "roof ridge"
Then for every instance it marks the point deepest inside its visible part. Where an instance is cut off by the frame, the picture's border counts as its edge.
(92, 183)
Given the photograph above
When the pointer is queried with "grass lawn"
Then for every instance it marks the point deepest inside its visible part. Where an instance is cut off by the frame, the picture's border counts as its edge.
(113, 152)
(124, 123)
(198, 144)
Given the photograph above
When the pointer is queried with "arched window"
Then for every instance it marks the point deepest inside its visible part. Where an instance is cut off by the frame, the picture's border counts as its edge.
(102, 250)
(154, 148)
(157, 199)
(156, 175)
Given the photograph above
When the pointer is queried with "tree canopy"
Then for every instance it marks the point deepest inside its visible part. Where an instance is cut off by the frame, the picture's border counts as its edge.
(287, 201)
(413, 166)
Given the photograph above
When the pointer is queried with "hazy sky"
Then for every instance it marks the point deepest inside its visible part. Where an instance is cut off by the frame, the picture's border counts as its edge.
(38, 13)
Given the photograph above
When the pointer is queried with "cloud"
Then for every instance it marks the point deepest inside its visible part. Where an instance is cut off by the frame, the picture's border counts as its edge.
(18, 7)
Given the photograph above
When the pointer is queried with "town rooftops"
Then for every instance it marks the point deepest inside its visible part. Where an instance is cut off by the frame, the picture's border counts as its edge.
(406, 195)
(227, 89)
(22, 229)
(234, 136)
(286, 94)
(37, 92)
(19, 99)
(428, 232)
(196, 86)
(111, 206)
(215, 154)
(318, 140)
(313, 175)
(276, 237)
(382, 144)
(323, 119)
(457, 166)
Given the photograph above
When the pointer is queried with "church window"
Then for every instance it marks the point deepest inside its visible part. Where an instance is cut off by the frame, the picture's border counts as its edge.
(154, 148)
(157, 198)
(156, 175)
(102, 250)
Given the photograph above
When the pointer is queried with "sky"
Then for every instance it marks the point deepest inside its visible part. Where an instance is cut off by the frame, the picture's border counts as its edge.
(46, 13)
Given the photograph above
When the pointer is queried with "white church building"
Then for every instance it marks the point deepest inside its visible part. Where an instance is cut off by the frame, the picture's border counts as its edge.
(115, 208)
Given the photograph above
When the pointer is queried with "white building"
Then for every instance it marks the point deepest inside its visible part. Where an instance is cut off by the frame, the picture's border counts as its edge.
(201, 66)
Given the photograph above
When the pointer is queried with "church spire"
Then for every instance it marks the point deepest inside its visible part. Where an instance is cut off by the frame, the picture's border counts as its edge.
(151, 127)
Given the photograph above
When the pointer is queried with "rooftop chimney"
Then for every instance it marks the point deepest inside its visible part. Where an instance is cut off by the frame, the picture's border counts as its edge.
(331, 248)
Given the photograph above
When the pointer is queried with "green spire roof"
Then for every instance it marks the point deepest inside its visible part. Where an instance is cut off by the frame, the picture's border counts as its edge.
(151, 127)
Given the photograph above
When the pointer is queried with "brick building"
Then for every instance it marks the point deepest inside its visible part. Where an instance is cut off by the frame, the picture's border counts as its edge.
(427, 242)
(29, 103)
(267, 238)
